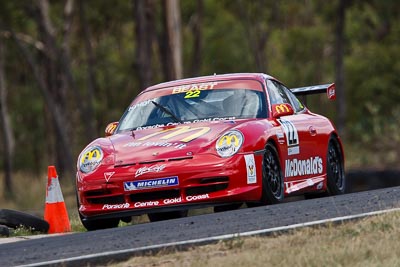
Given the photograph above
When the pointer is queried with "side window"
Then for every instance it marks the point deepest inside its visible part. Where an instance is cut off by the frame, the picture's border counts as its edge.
(277, 94)
(296, 103)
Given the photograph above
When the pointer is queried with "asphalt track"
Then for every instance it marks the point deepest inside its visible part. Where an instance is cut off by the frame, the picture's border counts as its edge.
(116, 244)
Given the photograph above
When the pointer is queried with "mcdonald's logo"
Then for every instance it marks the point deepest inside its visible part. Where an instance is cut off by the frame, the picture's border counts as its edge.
(172, 132)
(111, 128)
(281, 108)
(228, 140)
(251, 169)
(92, 154)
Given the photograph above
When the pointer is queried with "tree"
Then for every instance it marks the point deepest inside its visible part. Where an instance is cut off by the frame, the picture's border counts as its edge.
(339, 67)
(145, 33)
(171, 41)
(91, 77)
(197, 29)
(7, 133)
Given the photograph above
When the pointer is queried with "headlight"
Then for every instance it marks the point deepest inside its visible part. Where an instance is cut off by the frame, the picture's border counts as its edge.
(90, 159)
(229, 143)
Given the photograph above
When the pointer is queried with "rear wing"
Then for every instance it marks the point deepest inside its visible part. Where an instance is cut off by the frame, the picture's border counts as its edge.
(317, 89)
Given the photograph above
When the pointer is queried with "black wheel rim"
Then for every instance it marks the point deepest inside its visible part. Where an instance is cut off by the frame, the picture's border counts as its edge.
(335, 165)
(273, 174)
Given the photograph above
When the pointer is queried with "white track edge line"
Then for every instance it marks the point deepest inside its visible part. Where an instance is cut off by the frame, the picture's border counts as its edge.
(214, 238)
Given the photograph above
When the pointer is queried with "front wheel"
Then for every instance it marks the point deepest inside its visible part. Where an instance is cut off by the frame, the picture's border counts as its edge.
(272, 177)
(335, 168)
(98, 224)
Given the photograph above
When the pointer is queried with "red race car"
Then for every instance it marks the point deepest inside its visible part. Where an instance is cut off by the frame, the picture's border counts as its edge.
(219, 141)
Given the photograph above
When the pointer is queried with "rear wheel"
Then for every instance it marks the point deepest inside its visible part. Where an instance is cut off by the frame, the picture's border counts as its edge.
(272, 177)
(335, 168)
(161, 216)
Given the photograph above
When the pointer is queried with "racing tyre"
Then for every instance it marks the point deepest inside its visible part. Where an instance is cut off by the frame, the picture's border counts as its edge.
(161, 216)
(335, 168)
(15, 219)
(97, 224)
(272, 178)
(4, 231)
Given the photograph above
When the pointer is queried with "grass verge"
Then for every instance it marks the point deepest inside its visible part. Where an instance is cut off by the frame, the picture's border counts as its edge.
(371, 241)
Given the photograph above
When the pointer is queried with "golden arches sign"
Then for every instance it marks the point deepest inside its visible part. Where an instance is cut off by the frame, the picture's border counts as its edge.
(172, 132)
(282, 108)
(228, 139)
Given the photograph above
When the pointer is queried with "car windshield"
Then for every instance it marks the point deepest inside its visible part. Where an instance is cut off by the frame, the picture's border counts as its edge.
(195, 106)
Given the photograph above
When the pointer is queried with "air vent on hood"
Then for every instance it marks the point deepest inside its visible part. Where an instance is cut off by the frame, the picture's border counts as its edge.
(182, 158)
(125, 165)
(151, 161)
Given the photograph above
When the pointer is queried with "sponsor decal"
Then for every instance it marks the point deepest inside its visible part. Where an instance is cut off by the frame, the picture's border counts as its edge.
(229, 139)
(281, 108)
(115, 206)
(193, 87)
(292, 136)
(229, 143)
(251, 169)
(141, 104)
(152, 183)
(111, 128)
(192, 94)
(331, 92)
(108, 175)
(320, 185)
(198, 197)
(293, 150)
(279, 134)
(146, 204)
(172, 200)
(292, 187)
(153, 168)
(169, 201)
(301, 184)
(181, 130)
(156, 144)
(150, 127)
(212, 120)
(90, 159)
(296, 167)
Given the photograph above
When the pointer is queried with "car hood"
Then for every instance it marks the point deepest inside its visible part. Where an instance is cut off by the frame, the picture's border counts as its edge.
(169, 142)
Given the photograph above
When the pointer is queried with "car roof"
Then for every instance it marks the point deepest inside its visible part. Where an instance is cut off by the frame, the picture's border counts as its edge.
(210, 78)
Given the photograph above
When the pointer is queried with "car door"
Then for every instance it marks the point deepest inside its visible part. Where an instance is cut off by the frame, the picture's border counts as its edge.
(299, 157)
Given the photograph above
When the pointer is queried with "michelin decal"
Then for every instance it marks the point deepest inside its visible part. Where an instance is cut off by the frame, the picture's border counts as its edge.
(152, 183)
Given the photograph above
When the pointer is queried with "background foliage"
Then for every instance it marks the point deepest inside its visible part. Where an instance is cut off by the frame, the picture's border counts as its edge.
(97, 42)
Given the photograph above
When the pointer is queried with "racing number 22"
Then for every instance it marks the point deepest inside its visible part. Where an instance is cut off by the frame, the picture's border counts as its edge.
(292, 135)
(192, 93)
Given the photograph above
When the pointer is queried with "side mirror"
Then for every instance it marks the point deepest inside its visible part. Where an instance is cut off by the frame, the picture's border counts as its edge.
(110, 129)
(279, 110)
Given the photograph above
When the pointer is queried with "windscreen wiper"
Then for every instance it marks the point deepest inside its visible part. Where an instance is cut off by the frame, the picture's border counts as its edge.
(166, 110)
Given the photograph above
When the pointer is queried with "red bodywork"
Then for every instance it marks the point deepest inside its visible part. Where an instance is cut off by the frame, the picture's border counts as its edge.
(175, 166)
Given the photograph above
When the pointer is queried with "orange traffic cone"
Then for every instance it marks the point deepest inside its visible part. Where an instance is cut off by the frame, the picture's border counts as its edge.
(55, 211)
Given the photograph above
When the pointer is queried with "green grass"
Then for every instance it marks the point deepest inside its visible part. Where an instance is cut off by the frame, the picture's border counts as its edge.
(371, 241)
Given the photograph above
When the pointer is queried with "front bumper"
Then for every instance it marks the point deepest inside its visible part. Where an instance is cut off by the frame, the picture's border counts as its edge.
(205, 180)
